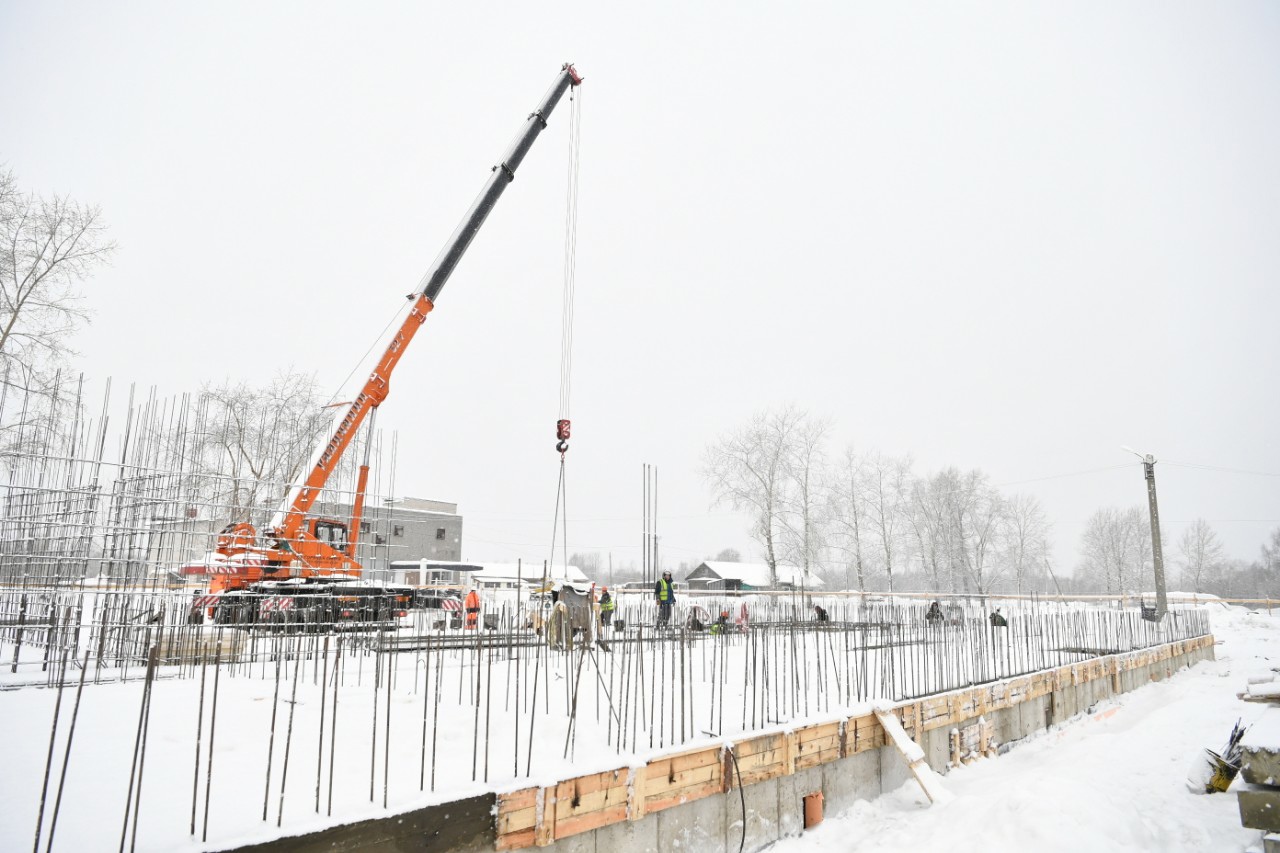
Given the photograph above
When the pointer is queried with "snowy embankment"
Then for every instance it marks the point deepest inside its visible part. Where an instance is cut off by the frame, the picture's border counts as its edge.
(1114, 779)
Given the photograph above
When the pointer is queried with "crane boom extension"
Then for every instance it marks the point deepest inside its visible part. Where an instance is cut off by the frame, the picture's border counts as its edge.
(291, 545)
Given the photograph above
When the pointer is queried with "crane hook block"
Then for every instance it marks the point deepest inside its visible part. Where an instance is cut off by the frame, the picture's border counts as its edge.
(562, 429)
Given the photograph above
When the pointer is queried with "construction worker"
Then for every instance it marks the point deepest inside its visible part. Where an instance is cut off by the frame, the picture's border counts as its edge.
(998, 620)
(664, 592)
(935, 612)
(607, 605)
(472, 608)
(821, 613)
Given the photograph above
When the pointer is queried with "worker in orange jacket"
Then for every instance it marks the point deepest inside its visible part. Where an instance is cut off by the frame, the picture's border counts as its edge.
(472, 607)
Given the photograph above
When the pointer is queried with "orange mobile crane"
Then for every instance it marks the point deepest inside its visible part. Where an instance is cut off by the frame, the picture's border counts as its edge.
(297, 545)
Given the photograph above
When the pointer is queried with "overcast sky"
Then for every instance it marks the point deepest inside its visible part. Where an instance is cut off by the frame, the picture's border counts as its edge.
(1002, 236)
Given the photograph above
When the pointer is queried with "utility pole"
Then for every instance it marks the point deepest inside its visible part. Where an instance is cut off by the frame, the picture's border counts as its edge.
(1157, 556)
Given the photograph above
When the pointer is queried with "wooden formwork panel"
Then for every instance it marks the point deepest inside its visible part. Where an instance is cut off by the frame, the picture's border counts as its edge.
(862, 734)
(670, 781)
(590, 802)
(765, 757)
(517, 816)
(818, 744)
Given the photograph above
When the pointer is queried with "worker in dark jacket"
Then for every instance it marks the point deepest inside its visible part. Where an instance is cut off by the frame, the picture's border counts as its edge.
(606, 607)
(998, 620)
(664, 592)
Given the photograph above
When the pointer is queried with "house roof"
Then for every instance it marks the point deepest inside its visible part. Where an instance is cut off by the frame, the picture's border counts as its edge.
(757, 574)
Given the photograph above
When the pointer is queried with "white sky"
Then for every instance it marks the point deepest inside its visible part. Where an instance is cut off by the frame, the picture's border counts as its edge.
(1004, 236)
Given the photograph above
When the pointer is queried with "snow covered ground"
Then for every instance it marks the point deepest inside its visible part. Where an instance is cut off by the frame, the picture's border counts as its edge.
(1114, 780)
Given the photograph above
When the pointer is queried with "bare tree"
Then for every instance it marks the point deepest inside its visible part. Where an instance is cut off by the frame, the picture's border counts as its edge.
(1115, 549)
(848, 500)
(979, 509)
(1026, 538)
(47, 248)
(804, 521)
(728, 555)
(253, 442)
(890, 481)
(1202, 555)
(747, 470)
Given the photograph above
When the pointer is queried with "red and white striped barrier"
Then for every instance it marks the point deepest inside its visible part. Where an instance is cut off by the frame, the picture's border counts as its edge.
(451, 604)
(275, 602)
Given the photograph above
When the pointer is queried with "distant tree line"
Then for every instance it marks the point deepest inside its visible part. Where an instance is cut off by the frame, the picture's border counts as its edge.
(865, 520)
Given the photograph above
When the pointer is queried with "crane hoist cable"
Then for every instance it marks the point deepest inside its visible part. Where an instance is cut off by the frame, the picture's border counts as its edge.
(566, 324)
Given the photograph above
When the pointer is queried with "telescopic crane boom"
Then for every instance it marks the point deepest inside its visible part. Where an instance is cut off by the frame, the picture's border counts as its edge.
(296, 545)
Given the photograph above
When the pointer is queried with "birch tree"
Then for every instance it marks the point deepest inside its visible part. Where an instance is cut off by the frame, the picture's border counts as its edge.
(890, 479)
(804, 516)
(1201, 555)
(848, 501)
(747, 470)
(1026, 538)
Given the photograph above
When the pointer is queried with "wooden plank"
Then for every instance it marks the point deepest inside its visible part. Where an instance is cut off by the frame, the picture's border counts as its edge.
(772, 771)
(591, 820)
(523, 799)
(685, 796)
(701, 758)
(515, 840)
(637, 783)
(683, 779)
(817, 758)
(764, 743)
(544, 827)
(569, 806)
(819, 732)
(928, 779)
(516, 821)
(762, 759)
(593, 782)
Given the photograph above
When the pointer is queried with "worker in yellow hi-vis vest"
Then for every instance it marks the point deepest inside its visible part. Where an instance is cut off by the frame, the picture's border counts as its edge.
(664, 592)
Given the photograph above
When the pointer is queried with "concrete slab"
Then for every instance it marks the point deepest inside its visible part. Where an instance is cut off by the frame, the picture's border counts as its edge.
(640, 836)
(1259, 807)
(762, 817)
(584, 842)
(894, 770)
(791, 791)
(848, 780)
(1032, 715)
(697, 826)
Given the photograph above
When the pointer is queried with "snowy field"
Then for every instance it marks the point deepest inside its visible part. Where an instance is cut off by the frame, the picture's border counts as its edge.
(1112, 780)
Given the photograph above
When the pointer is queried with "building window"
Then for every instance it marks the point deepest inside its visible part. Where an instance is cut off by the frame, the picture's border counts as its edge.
(364, 527)
(378, 540)
(440, 533)
(397, 530)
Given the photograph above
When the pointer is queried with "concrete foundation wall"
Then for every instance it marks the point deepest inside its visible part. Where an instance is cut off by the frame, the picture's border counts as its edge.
(774, 808)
